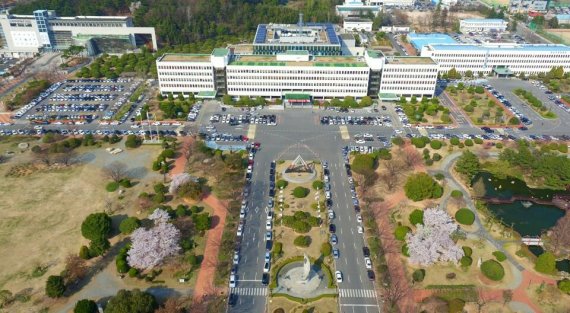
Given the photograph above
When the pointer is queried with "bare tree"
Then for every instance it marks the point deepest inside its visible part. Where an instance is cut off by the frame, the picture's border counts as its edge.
(66, 157)
(482, 299)
(43, 157)
(411, 158)
(397, 291)
(116, 171)
(559, 235)
(171, 305)
(507, 296)
(390, 181)
(393, 167)
(75, 268)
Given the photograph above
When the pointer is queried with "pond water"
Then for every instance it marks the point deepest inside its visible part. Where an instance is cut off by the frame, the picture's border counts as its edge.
(528, 219)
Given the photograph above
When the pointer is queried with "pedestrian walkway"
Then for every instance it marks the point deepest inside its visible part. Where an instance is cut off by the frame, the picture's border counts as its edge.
(357, 293)
(254, 292)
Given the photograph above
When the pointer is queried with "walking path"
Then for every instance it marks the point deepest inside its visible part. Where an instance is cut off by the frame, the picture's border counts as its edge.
(205, 281)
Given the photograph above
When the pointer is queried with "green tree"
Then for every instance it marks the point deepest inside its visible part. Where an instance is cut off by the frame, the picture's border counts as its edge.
(416, 217)
(85, 306)
(401, 231)
(546, 263)
(300, 192)
(133, 141)
(366, 101)
(363, 164)
(202, 221)
(326, 249)
(493, 270)
(318, 185)
(564, 285)
(96, 226)
(129, 225)
(55, 286)
(131, 301)
(468, 164)
(281, 184)
(465, 216)
(302, 241)
(421, 186)
(418, 275)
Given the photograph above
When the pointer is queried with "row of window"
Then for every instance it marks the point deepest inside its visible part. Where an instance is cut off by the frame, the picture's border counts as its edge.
(545, 67)
(185, 67)
(280, 90)
(405, 88)
(297, 78)
(517, 56)
(194, 73)
(408, 83)
(410, 70)
(187, 80)
(85, 24)
(206, 86)
(414, 77)
(301, 84)
(333, 71)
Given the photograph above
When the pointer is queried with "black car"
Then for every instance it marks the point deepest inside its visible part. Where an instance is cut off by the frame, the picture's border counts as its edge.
(233, 299)
(370, 274)
(265, 279)
(271, 192)
(357, 209)
(366, 252)
(332, 228)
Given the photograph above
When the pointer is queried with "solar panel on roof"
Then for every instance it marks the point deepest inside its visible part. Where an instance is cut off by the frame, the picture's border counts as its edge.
(261, 34)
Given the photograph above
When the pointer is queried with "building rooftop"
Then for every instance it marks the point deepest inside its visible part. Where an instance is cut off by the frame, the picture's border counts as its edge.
(220, 52)
(421, 40)
(409, 60)
(482, 20)
(323, 61)
(563, 17)
(294, 34)
(357, 19)
(346, 36)
(374, 54)
(184, 57)
(500, 47)
(297, 52)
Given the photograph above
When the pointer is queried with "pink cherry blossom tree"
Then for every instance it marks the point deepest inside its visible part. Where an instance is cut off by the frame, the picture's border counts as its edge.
(151, 246)
(432, 241)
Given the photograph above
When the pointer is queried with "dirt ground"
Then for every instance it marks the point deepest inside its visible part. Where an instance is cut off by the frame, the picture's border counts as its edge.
(549, 298)
(42, 212)
(562, 33)
(421, 20)
(324, 305)
(463, 98)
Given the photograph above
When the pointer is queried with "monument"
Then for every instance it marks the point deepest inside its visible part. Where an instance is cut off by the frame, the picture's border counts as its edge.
(306, 268)
(299, 171)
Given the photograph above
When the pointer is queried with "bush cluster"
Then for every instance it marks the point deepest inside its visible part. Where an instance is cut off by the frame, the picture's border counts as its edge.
(401, 231)
(465, 216)
(493, 270)
(121, 260)
(301, 222)
(500, 256)
(300, 192)
(302, 241)
(421, 186)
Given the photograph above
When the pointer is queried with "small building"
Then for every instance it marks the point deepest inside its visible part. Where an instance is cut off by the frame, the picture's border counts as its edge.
(391, 3)
(355, 8)
(418, 41)
(347, 40)
(482, 25)
(526, 6)
(357, 24)
(444, 3)
(395, 29)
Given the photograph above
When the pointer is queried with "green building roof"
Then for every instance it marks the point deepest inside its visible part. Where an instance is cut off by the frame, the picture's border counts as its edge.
(220, 52)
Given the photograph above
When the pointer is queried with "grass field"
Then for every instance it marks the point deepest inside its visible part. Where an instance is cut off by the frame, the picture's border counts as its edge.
(497, 2)
(557, 35)
(480, 108)
(42, 212)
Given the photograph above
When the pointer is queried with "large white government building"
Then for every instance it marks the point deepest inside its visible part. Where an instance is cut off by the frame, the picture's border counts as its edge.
(501, 59)
(482, 25)
(296, 75)
(26, 35)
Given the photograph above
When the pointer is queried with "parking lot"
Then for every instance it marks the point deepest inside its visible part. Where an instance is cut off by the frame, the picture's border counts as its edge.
(380, 120)
(244, 119)
(80, 101)
(479, 38)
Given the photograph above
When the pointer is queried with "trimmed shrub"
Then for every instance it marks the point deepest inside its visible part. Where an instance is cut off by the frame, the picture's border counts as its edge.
(405, 250)
(493, 270)
(456, 305)
(499, 145)
(122, 265)
(419, 275)
(467, 251)
(465, 216)
(500, 256)
(318, 185)
(401, 232)
(416, 217)
(85, 306)
(363, 164)
(436, 144)
(302, 241)
(133, 272)
(300, 192)
(478, 141)
(421, 186)
(84, 253)
(281, 184)
(55, 286)
(469, 142)
(546, 263)
(277, 249)
(112, 186)
(454, 141)
(436, 157)
(564, 285)
(129, 225)
(466, 261)
(439, 176)
(456, 193)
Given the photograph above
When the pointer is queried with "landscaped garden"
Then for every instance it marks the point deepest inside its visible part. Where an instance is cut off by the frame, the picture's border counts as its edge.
(533, 102)
(479, 106)
(425, 111)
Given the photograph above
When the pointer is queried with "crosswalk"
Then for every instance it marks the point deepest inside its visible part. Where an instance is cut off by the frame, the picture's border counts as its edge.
(262, 292)
(357, 293)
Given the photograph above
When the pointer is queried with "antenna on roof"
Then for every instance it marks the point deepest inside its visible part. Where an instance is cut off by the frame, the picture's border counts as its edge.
(300, 23)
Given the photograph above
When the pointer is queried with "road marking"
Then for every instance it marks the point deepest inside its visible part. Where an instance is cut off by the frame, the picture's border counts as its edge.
(250, 291)
(365, 305)
(357, 293)
(251, 131)
(344, 132)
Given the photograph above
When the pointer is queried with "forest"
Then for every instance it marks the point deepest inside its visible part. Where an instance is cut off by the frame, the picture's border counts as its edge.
(193, 21)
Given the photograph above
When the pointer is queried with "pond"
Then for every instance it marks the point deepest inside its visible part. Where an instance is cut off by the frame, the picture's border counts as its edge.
(528, 219)
(561, 265)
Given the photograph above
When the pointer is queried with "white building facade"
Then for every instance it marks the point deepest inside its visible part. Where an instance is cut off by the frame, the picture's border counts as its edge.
(482, 25)
(26, 35)
(487, 58)
(409, 76)
(357, 24)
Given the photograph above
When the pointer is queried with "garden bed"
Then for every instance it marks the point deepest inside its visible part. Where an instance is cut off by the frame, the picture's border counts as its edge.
(480, 106)
(534, 103)
(426, 111)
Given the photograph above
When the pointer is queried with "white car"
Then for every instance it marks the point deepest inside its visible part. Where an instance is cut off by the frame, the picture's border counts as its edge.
(242, 213)
(338, 276)
(368, 263)
(360, 141)
(331, 214)
(269, 215)
(360, 229)
(232, 281)
(243, 204)
(268, 235)
(267, 256)
(328, 194)
(240, 230)
(236, 258)
(266, 267)
(359, 218)
(268, 225)
(249, 168)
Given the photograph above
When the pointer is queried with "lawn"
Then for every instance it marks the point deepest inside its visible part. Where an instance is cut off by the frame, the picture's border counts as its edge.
(324, 305)
(43, 211)
(549, 298)
(426, 111)
(480, 107)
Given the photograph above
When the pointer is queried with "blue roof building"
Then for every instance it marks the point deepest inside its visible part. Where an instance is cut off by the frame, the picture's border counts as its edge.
(418, 41)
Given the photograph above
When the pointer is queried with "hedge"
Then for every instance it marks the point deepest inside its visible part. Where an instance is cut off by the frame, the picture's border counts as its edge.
(493, 270)
(500, 256)
(456, 193)
(405, 250)
(401, 232)
(465, 216)
(467, 251)
(304, 300)
(436, 144)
